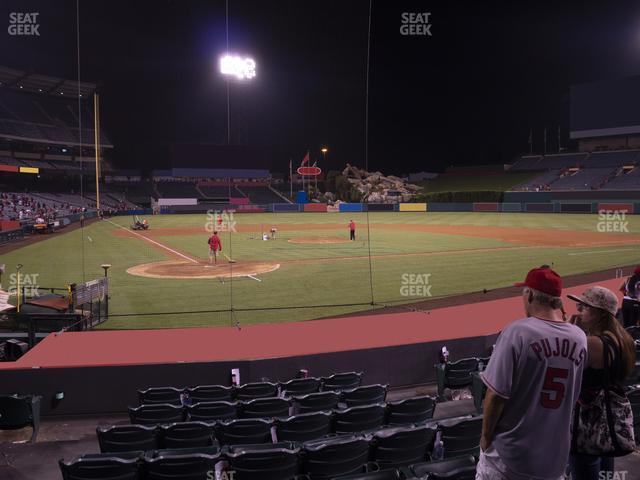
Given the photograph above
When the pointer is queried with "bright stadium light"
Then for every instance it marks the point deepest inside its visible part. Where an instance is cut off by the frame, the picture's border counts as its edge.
(239, 67)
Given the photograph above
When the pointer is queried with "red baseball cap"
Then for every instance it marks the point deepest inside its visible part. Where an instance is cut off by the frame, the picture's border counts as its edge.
(637, 270)
(543, 279)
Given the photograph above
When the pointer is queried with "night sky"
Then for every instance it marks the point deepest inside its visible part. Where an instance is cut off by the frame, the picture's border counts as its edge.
(467, 94)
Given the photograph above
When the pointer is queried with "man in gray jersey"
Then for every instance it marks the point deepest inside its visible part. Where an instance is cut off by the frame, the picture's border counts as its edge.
(533, 381)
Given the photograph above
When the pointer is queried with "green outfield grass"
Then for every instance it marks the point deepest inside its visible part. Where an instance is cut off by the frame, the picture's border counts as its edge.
(309, 275)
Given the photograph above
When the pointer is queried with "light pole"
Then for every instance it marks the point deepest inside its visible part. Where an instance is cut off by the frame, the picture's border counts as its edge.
(106, 267)
(235, 67)
(324, 151)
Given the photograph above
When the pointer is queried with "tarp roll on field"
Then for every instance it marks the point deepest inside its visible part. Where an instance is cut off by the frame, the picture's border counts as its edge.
(315, 207)
(413, 207)
(351, 207)
(627, 208)
(486, 207)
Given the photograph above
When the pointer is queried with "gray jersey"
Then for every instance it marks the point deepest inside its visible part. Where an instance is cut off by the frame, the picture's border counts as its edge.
(536, 365)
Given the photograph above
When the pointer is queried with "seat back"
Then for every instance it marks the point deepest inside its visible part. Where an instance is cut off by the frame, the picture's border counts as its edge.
(264, 464)
(367, 395)
(156, 414)
(165, 395)
(15, 411)
(195, 466)
(334, 457)
(186, 435)
(458, 374)
(212, 411)
(249, 391)
(243, 431)
(210, 393)
(402, 446)
(265, 408)
(103, 468)
(456, 468)
(359, 419)
(126, 438)
(316, 402)
(461, 437)
(410, 410)
(299, 386)
(303, 427)
(390, 474)
(341, 381)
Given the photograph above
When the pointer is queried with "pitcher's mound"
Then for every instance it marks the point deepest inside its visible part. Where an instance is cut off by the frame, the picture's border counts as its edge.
(182, 269)
(319, 240)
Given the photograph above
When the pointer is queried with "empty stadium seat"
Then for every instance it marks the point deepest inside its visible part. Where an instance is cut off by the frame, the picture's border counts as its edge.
(210, 450)
(194, 466)
(316, 402)
(461, 436)
(152, 396)
(341, 381)
(265, 408)
(243, 431)
(19, 411)
(155, 414)
(410, 410)
(264, 464)
(212, 411)
(478, 390)
(359, 419)
(364, 395)
(455, 374)
(104, 467)
(300, 386)
(126, 438)
(250, 391)
(402, 446)
(303, 427)
(210, 393)
(456, 468)
(186, 435)
(333, 457)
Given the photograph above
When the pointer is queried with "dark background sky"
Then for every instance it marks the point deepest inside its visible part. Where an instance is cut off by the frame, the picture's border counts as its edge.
(468, 94)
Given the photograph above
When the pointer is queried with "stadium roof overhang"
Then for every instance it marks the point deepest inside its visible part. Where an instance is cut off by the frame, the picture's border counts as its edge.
(31, 82)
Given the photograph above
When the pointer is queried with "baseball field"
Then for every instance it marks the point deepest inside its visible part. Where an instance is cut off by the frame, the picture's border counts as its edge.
(162, 278)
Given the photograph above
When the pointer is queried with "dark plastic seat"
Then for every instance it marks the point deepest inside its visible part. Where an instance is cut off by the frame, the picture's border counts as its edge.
(164, 395)
(456, 468)
(19, 411)
(455, 374)
(299, 386)
(156, 414)
(210, 450)
(402, 446)
(126, 438)
(410, 410)
(316, 402)
(634, 332)
(341, 381)
(334, 457)
(212, 411)
(210, 393)
(367, 395)
(265, 408)
(478, 390)
(390, 474)
(461, 436)
(303, 427)
(264, 463)
(103, 467)
(359, 419)
(243, 431)
(195, 466)
(186, 435)
(251, 391)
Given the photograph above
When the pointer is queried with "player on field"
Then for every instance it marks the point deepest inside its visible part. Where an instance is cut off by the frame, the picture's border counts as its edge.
(533, 381)
(215, 246)
(352, 230)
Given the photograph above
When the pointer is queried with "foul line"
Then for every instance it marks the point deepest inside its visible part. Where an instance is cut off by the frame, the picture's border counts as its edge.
(602, 251)
(175, 252)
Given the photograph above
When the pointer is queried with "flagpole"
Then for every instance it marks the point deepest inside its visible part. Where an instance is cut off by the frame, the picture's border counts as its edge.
(291, 177)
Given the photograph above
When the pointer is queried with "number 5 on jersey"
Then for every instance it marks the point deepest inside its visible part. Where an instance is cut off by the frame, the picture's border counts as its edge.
(553, 389)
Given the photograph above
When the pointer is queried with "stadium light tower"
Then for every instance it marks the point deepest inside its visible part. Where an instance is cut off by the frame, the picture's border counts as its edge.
(236, 68)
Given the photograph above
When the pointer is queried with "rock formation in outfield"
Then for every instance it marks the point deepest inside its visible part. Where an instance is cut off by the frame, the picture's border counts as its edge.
(377, 188)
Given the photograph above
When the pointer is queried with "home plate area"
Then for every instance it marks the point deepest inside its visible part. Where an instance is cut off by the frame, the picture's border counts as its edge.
(184, 269)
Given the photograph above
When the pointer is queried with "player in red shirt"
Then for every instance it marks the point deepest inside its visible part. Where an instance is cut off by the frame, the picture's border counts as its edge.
(215, 246)
(352, 230)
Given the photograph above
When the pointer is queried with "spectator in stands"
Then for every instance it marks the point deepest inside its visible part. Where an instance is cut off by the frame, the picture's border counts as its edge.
(597, 308)
(532, 385)
(630, 311)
